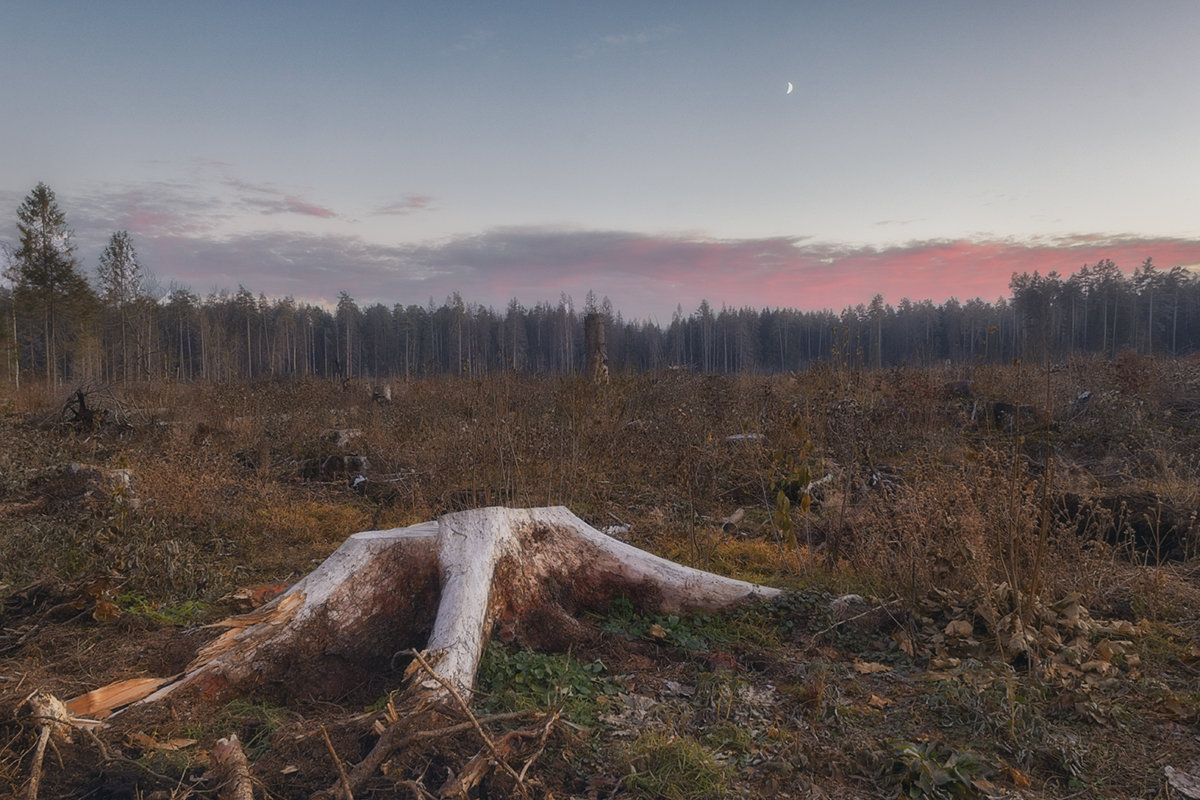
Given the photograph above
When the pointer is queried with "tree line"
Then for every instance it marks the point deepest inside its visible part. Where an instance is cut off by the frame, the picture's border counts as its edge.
(61, 324)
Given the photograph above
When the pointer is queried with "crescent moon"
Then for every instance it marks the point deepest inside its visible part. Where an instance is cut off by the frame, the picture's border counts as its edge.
(790, 87)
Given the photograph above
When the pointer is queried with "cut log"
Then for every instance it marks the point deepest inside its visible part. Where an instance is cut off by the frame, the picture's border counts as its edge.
(730, 523)
(444, 586)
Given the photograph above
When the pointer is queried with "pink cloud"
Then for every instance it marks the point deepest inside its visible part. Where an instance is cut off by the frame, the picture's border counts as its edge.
(177, 230)
(649, 275)
(408, 205)
(269, 200)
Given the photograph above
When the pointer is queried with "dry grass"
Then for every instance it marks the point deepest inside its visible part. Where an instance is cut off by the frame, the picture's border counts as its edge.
(928, 493)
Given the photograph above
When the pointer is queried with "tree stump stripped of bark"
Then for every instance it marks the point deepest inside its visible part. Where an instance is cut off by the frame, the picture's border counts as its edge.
(442, 586)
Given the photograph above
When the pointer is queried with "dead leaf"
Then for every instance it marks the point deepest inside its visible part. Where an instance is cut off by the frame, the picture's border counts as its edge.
(290, 769)
(106, 612)
(903, 641)
(1051, 637)
(249, 598)
(869, 667)
(960, 627)
(1019, 779)
(876, 701)
(944, 662)
(142, 741)
(656, 631)
(172, 745)
(1018, 642)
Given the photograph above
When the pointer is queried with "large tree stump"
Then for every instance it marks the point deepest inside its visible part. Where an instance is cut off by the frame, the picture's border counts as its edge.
(442, 586)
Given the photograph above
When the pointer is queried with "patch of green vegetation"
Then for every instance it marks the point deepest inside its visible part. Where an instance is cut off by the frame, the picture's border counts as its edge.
(254, 723)
(761, 624)
(990, 699)
(730, 739)
(188, 612)
(512, 678)
(927, 771)
(663, 766)
(718, 693)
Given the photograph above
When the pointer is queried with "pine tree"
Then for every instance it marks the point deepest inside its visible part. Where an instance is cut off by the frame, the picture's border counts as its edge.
(120, 273)
(48, 290)
(121, 286)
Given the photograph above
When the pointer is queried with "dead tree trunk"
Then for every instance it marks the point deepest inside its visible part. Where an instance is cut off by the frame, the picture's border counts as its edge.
(441, 587)
(595, 347)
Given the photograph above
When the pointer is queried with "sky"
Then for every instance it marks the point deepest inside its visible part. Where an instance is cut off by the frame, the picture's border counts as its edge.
(647, 151)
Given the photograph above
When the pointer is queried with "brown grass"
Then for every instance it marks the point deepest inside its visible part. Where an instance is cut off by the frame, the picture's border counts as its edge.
(928, 494)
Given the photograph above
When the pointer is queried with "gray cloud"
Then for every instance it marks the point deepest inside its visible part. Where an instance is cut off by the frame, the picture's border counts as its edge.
(623, 41)
(409, 204)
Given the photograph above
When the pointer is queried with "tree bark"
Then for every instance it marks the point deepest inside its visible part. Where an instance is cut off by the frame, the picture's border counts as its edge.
(444, 586)
(595, 347)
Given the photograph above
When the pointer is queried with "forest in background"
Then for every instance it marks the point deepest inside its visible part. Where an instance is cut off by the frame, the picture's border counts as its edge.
(66, 322)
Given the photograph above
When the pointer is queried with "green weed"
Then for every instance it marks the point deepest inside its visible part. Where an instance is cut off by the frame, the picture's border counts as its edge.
(519, 678)
(928, 772)
(188, 612)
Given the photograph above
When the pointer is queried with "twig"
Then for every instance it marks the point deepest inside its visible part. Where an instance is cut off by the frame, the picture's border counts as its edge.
(541, 744)
(434, 733)
(395, 738)
(872, 610)
(116, 758)
(337, 762)
(417, 789)
(462, 704)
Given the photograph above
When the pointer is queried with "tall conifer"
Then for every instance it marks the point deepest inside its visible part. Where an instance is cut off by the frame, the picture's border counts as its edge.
(48, 289)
